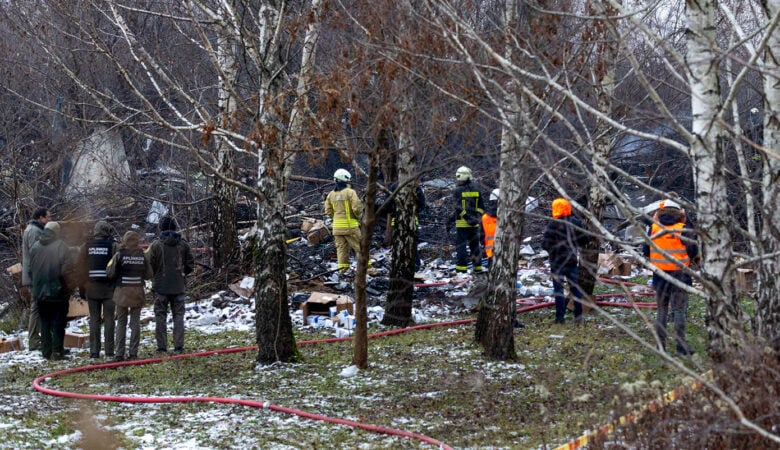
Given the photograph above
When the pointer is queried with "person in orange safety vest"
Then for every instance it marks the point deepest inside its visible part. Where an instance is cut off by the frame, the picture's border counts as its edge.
(672, 250)
(489, 222)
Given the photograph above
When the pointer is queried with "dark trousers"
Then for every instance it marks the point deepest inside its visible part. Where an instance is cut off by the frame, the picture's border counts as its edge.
(559, 276)
(53, 319)
(672, 299)
(467, 246)
(176, 302)
(106, 308)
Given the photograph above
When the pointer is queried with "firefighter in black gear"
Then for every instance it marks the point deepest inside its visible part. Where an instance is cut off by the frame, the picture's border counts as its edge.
(466, 216)
(94, 256)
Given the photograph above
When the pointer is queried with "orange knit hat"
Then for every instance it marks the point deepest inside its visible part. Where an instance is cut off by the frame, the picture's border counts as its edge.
(561, 208)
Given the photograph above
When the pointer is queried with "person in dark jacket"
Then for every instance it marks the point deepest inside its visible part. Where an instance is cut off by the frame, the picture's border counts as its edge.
(419, 198)
(130, 268)
(562, 239)
(50, 261)
(468, 204)
(98, 289)
(32, 233)
(669, 234)
(171, 259)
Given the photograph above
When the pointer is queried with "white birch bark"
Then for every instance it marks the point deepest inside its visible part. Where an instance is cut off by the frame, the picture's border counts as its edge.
(494, 329)
(272, 316)
(301, 108)
(603, 79)
(223, 227)
(768, 294)
(707, 155)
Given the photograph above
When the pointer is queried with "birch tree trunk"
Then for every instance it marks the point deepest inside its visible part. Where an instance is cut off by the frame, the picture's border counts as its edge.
(223, 227)
(404, 254)
(495, 323)
(275, 338)
(401, 292)
(707, 154)
(301, 108)
(768, 295)
(603, 79)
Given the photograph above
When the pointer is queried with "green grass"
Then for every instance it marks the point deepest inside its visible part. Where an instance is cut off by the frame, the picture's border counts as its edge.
(436, 382)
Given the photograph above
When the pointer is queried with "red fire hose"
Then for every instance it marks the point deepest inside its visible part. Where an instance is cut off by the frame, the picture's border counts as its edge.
(37, 383)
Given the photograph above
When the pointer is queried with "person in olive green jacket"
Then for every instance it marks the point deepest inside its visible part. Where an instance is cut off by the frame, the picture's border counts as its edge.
(32, 233)
(129, 268)
(171, 259)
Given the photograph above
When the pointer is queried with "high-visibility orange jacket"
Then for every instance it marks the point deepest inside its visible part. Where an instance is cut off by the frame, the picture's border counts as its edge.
(668, 239)
(489, 229)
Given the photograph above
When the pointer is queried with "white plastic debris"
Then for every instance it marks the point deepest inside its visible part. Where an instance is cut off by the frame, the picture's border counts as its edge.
(527, 250)
(208, 319)
(348, 372)
(343, 333)
(247, 283)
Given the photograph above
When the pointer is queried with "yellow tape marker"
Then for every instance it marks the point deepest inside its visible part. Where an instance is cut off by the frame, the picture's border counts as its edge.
(653, 406)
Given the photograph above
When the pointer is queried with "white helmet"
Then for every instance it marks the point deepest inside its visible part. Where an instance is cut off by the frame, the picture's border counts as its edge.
(669, 204)
(342, 175)
(494, 195)
(463, 174)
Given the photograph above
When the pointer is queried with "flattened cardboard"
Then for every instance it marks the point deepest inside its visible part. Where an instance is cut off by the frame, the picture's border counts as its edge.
(319, 303)
(75, 340)
(77, 308)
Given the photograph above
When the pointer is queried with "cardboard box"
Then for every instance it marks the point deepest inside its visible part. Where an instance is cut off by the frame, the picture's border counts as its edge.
(77, 308)
(76, 340)
(319, 234)
(319, 303)
(10, 344)
(16, 269)
(746, 280)
(611, 265)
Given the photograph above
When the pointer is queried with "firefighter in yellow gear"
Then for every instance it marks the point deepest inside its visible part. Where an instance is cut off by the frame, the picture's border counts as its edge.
(345, 208)
(466, 215)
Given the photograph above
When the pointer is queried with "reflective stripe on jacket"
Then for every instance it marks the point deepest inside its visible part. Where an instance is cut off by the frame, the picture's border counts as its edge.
(489, 226)
(99, 253)
(470, 209)
(668, 239)
(132, 267)
(345, 208)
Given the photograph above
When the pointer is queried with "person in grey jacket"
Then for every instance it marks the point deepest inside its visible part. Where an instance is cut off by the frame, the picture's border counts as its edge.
(130, 268)
(171, 259)
(32, 233)
(50, 262)
(98, 289)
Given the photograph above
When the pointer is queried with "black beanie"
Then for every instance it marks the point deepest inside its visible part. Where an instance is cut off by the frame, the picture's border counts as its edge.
(167, 223)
